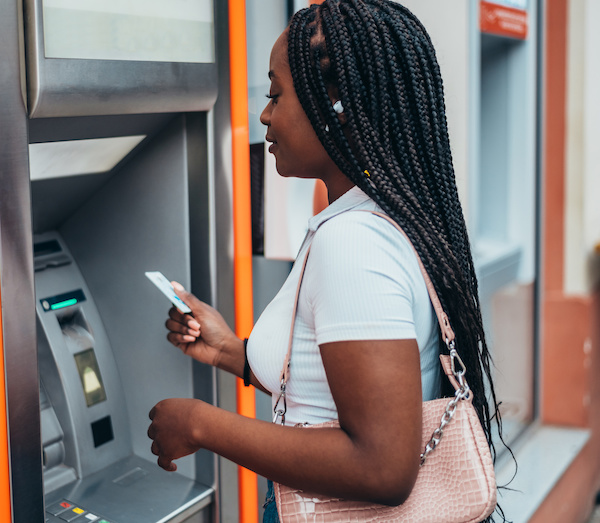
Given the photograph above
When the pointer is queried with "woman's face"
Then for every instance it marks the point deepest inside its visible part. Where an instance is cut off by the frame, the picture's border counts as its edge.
(297, 150)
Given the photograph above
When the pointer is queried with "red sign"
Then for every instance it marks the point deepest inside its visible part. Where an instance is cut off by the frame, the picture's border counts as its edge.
(504, 21)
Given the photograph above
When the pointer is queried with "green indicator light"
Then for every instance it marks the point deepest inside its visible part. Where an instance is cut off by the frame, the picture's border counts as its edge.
(63, 304)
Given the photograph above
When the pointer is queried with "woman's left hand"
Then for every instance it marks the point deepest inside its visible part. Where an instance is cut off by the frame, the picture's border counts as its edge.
(174, 430)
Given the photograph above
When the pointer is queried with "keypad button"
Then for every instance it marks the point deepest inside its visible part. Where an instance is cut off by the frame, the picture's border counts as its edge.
(58, 507)
(71, 514)
(88, 518)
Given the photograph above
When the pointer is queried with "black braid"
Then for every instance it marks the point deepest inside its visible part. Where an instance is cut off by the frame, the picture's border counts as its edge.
(395, 147)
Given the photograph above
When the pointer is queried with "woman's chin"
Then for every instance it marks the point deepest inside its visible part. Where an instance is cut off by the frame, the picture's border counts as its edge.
(286, 172)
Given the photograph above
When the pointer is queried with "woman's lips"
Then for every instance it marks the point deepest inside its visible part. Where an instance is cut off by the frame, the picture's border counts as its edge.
(273, 143)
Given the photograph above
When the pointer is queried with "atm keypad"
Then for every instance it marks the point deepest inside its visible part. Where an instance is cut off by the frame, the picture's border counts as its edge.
(65, 511)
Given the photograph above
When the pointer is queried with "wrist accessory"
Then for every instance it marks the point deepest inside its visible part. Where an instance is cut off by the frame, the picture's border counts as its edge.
(246, 375)
(455, 484)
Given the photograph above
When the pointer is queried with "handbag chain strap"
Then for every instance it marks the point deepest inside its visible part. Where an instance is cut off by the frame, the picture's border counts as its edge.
(458, 369)
(463, 392)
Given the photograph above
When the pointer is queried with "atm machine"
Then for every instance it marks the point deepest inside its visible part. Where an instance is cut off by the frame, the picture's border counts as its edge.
(105, 173)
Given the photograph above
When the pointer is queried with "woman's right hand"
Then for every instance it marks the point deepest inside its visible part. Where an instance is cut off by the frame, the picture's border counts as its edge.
(204, 335)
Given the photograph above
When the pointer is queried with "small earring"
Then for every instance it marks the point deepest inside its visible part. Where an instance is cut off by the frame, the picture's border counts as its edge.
(338, 107)
(327, 128)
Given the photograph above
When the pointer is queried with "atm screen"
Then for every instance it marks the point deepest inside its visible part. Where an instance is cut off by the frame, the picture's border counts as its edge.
(136, 30)
(91, 379)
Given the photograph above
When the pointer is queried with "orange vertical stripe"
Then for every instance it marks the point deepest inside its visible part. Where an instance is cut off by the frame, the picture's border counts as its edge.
(555, 83)
(554, 306)
(5, 504)
(242, 229)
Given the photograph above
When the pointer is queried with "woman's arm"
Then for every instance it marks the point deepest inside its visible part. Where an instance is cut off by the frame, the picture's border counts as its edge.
(374, 456)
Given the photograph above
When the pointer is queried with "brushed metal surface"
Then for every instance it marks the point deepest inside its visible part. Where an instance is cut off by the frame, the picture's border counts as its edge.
(134, 490)
(227, 507)
(16, 279)
(197, 91)
(138, 221)
(77, 87)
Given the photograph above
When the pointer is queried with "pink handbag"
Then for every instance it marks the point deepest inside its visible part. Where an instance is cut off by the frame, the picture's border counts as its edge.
(455, 484)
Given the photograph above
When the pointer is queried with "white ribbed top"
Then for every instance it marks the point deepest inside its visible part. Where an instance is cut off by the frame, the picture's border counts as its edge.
(362, 282)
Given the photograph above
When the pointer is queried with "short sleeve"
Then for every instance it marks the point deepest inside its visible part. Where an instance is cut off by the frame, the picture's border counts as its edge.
(360, 280)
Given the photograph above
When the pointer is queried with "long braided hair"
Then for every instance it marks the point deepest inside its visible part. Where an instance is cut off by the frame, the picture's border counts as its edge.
(393, 144)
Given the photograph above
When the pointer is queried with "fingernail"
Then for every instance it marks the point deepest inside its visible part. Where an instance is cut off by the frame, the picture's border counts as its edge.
(194, 325)
(177, 286)
(188, 338)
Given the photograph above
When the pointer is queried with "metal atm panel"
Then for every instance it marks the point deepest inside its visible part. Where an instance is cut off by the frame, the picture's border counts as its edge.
(102, 52)
(96, 382)
(103, 357)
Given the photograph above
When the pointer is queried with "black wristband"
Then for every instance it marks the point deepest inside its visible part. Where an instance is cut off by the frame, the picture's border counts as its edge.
(246, 364)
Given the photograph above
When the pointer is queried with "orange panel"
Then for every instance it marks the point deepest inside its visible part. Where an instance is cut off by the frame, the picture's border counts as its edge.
(501, 20)
(555, 343)
(555, 85)
(320, 198)
(5, 513)
(242, 229)
(573, 496)
(566, 361)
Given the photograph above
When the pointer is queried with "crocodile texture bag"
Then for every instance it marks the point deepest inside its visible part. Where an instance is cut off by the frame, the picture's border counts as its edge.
(455, 484)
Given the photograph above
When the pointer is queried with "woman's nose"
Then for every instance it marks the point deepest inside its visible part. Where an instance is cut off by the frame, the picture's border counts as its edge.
(265, 116)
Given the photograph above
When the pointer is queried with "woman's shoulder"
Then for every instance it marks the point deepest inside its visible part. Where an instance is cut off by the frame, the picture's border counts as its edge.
(354, 241)
(361, 228)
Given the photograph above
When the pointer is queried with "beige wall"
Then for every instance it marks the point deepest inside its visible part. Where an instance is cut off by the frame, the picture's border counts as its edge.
(582, 186)
(448, 24)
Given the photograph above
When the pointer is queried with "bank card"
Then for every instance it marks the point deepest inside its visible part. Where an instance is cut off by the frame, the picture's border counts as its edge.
(164, 285)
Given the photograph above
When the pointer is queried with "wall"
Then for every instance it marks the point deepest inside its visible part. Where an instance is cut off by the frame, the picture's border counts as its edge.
(582, 216)
(570, 360)
(450, 26)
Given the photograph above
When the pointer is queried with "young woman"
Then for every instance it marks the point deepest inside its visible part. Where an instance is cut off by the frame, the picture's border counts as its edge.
(356, 100)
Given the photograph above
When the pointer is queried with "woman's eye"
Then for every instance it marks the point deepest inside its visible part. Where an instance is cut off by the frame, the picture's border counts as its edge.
(272, 97)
